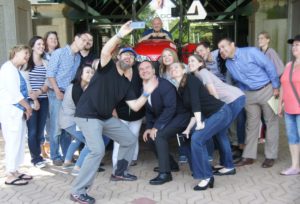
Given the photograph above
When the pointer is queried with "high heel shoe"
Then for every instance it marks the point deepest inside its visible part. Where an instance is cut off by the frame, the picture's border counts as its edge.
(204, 184)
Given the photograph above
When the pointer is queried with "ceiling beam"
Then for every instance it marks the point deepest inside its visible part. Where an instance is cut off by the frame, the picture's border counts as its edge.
(78, 4)
(230, 8)
(143, 7)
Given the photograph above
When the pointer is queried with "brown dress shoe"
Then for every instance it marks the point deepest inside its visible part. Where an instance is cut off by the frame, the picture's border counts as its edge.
(268, 163)
(245, 161)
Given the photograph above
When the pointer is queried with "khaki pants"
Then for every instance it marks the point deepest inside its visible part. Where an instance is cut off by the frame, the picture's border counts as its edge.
(257, 104)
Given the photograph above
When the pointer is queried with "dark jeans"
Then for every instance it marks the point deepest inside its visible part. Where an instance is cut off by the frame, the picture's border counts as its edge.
(36, 126)
(241, 127)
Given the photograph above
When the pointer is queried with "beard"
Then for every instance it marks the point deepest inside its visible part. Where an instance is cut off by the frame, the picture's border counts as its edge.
(124, 65)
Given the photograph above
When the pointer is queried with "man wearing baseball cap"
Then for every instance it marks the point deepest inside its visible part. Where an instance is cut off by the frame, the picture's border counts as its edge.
(127, 49)
(94, 115)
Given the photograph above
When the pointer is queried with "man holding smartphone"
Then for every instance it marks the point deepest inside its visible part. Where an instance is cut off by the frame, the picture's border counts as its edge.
(94, 115)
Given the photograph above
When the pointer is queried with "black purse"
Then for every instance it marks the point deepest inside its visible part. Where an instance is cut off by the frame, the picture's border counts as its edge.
(292, 85)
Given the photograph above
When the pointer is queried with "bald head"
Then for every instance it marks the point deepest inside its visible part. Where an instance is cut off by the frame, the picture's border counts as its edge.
(157, 24)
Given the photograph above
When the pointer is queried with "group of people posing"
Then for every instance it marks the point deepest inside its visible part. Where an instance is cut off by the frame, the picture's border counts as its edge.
(94, 100)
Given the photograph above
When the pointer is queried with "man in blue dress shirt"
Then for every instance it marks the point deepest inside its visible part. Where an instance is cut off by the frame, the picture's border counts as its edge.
(61, 69)
(257, 77)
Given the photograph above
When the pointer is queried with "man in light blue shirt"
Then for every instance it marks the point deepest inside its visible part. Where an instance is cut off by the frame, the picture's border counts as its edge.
(211, 59)
(61, 69)
(257, 77)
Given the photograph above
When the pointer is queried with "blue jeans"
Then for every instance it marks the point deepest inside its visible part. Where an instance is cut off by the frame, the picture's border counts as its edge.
(57, 137)
(217, 125)
(236, 107)
(237, 111)
(210, 146)
(36, 127)
(292, 126)
(78, 139)
(241, 126)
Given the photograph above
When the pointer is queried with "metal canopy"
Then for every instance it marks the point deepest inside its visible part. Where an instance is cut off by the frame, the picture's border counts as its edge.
(120, 11)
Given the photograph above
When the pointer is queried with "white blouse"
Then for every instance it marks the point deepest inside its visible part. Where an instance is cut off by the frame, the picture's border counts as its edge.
(9, 84)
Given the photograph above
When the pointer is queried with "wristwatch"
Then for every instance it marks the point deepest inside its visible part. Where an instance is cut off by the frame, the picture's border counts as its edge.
(145, 94)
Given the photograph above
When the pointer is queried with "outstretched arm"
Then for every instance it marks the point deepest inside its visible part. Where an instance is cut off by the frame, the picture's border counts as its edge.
(109, 47)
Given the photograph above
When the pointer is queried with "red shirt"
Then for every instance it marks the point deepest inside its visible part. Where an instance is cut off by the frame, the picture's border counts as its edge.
(291, 104)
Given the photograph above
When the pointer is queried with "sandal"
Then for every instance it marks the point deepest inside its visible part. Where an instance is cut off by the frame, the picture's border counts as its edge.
(25, 177)
(290, 171)
(17, 182)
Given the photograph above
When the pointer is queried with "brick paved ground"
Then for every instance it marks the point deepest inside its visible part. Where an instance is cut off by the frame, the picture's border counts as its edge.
(251, 184)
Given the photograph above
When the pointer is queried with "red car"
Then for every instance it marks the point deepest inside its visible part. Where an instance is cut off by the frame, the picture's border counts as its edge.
(153, 48)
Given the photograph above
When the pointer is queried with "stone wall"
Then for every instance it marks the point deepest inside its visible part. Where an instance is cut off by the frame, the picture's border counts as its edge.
(53, 18)
(15, 25)
(271, 16)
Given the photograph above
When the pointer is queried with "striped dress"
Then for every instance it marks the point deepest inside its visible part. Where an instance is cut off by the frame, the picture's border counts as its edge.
(37, 78)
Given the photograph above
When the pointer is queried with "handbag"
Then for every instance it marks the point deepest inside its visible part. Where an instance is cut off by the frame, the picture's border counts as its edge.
(292, 85)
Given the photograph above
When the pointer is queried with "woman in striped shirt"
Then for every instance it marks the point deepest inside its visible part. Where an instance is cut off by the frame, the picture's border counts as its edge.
(36, 76)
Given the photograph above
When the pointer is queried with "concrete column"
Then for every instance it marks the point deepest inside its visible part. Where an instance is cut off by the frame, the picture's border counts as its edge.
(266, 19)
(15, 25)
(53, 17)
(293, 21)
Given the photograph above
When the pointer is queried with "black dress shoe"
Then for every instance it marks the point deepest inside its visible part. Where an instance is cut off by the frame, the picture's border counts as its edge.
(215, 169)
(161, 179)
(100, 169)
(230, 172)
(268, 163)
(124, 177)
(173, 169)
(209, 184)
(245, 161)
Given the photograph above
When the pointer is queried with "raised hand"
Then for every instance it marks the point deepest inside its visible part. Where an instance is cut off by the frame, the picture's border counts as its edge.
(125, 29)
(151, 85)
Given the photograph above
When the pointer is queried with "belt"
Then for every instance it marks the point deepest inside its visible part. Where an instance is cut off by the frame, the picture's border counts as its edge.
(61, 89)
(264, 86)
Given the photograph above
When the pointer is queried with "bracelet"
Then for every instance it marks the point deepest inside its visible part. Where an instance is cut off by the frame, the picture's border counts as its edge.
(145, 94)
(119, 35)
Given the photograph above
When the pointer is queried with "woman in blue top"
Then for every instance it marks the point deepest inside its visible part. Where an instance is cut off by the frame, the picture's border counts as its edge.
(14, 108)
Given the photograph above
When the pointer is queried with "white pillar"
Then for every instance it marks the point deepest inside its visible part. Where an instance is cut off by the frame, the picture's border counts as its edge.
(15, 25)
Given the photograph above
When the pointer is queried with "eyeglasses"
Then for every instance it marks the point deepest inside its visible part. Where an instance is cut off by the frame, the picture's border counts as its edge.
(142, 58)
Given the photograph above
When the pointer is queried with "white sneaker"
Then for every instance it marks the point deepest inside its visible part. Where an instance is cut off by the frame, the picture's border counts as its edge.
(75, 172)
(68, 165)
(40, 165)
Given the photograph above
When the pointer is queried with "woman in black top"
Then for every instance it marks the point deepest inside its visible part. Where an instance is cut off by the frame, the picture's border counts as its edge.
(211, 117)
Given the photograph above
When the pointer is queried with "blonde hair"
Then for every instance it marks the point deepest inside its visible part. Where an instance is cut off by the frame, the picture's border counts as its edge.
(17, 48)
(162, 67)
(184, 77)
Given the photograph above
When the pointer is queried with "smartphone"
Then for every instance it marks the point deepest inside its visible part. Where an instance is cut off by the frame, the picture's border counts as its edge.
(182, 139)
(137, 25)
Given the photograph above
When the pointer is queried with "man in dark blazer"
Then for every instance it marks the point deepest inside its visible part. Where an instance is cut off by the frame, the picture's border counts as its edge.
(165, 116)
